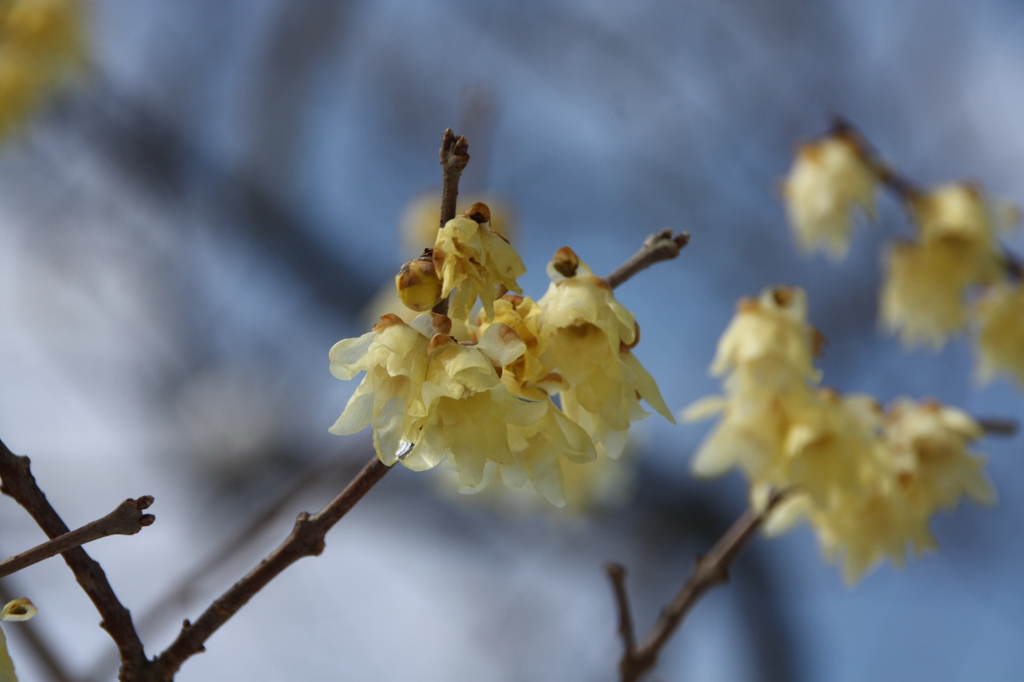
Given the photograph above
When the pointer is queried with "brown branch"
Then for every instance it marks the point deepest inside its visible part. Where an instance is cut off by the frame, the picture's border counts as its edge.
(19, 483)
(891, 179)
(306, 539)
(993, 426)
(454, 157)
(127, 519)
(658, 247)
(711, 570)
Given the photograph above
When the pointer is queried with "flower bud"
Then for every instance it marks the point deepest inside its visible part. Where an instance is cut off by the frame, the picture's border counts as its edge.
(418, 285)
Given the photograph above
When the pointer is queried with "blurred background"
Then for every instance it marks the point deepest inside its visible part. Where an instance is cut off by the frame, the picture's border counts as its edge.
(191, 221)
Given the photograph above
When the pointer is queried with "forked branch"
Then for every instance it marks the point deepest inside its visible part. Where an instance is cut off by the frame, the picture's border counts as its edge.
(711, 570)
(658, 247)
(19, 483)
(127, 519)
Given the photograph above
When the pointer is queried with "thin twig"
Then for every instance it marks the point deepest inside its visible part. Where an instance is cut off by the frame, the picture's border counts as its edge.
(454, 157)
(890, 178)
(617, 574)
(306, 539)
(19, 483)
(127, 519)
(995, 426)
(658, 247)
(711, 570)
(321, 472)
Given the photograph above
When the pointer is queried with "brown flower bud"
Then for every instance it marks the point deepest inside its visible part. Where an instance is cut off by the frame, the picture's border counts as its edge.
(418, 285)
(566, 262)
(479, 212)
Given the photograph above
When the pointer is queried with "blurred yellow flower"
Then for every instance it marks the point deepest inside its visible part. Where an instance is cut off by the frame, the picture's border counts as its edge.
(867, 481)
(829, 178)
(1000, 319)
(40, 42)
(475, 262)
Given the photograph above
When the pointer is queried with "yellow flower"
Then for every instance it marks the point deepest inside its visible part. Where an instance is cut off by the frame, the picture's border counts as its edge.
(587, 338)
(961, 213)
(769, 341)
(15, 610)
(475, 262)
(429, 397)
(829, 178)
(420, 221)
(923, 295)
(1000, 319)
(40, 40)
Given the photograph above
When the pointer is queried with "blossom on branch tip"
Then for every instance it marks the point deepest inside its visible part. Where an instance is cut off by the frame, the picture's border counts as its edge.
(868, 481)
(475, 261)
(829, 178)
(1000, 320)
(587, 338)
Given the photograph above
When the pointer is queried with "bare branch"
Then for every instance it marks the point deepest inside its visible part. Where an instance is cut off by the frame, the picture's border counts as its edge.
(617, 574)
(19, 483)
(454, 157)
(711, 570)
(994, 426)
(306, 539)
(658, 247)
(127, 519)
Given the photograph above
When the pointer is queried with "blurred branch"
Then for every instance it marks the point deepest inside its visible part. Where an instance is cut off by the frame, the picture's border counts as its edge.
(306, 539)
(317, 473)
(711, 570)
(998, 427)
(127, 519)
(454, 157)
(19, 483)
(658, 247)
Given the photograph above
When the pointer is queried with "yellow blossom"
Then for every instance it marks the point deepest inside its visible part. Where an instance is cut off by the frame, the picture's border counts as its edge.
(429, 397)
(40, 40)
(475, 261)
(769, 341)
(15, 610)
(420, 220)
(923, 295)
(1000, 319)
(587, 339)
(829, 178)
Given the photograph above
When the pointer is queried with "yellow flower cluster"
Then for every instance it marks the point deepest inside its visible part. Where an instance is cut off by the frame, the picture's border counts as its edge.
(928, 281)
(924, 296)
(867, 480)
(40, 41)
(475, 262)
(829, 178)
(484, 405)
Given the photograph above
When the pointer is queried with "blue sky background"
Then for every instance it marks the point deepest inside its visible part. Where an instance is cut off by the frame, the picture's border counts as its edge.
(190, 228)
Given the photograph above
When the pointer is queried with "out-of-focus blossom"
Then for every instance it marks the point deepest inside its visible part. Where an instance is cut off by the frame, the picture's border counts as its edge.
(588, 337)
(867, 481)
(924, 292)
(1000, 319)
(15, 610)
(475, 261)
(830, 177)
(40, 42)
(769, 342)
